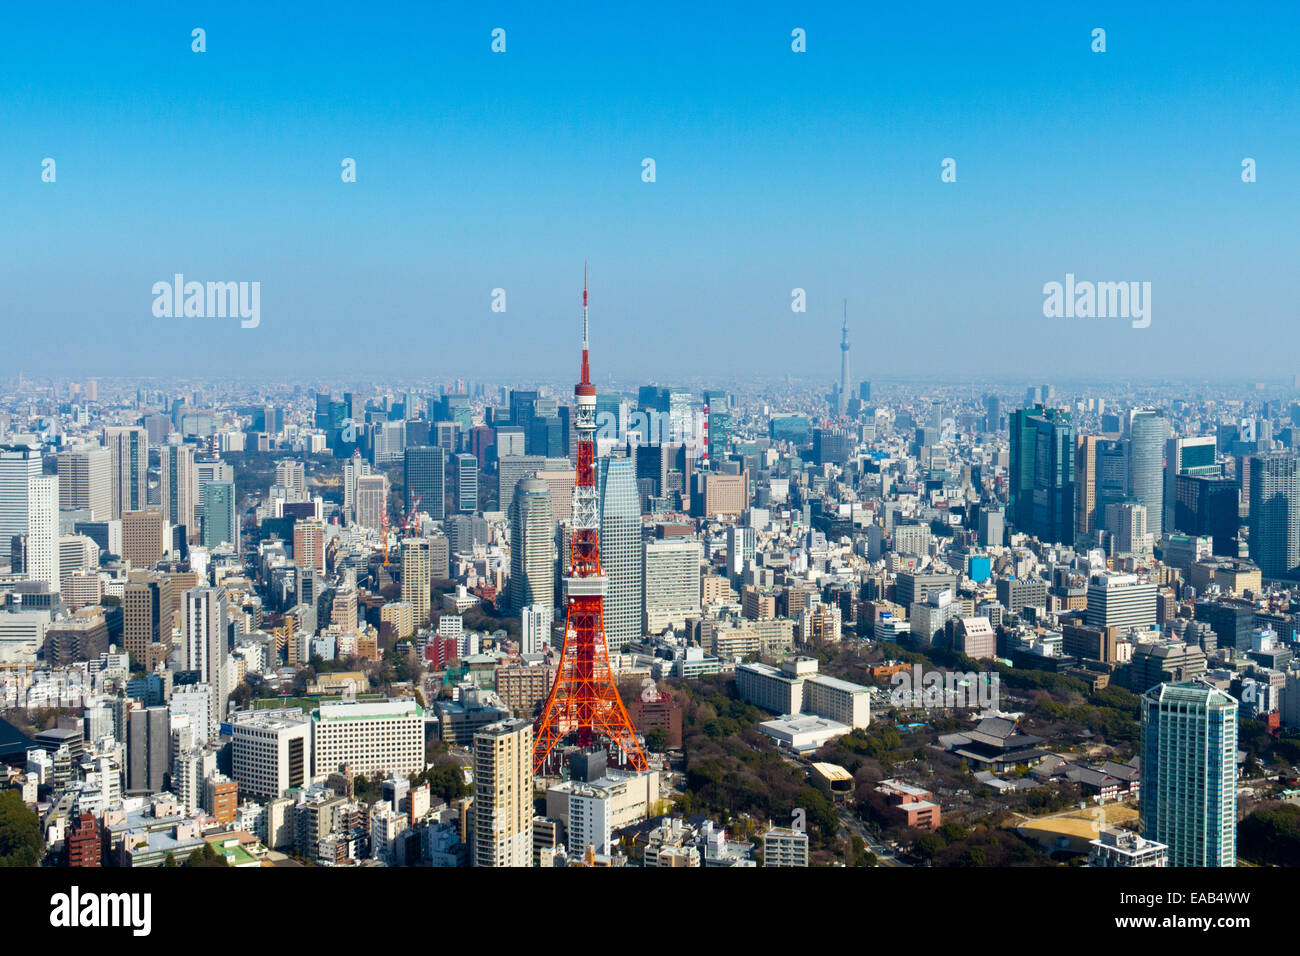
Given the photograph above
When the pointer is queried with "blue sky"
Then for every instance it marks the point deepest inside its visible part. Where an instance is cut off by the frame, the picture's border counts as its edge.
(775, 170)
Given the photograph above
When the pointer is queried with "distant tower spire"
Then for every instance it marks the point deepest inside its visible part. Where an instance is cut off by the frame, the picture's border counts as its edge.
(842, 399)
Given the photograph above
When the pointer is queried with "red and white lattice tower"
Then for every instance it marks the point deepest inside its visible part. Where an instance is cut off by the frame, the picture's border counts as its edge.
(584, 702)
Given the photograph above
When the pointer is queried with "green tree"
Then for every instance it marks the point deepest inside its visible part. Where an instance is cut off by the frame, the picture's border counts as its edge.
(20, 832)
(206, 856)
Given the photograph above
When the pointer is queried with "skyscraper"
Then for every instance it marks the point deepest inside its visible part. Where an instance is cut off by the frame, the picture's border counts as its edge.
(502, 812)
(1042, 473)
(1148, 430)
(620, 550)
(85, 481)
(510, 470)
(204, 651)
(425, 475)
(532, 546)
(1275, 514)
(19, 464)
(147, 610)
(220, 515)
(291, 475)
(1186, 456)
(372, 501)
(177, 492)
(466, 483)
(42, 554)
(1085, 486)
(1207, 505)
(206, 471)
(1111, 476)
(148, 747)
(1189, 761)
(416, 578)
(129, 450)
(142, 537)
(309, 544)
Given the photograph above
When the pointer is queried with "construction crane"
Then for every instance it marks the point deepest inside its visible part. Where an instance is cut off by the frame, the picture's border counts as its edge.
(410, 523)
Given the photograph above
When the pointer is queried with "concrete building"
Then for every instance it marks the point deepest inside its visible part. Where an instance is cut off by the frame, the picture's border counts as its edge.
(270, 752)
(1189, 779)
(502, 812)
(1121, 600)
(384, 737)
(85, 481)
(785, 846)
(671, 584)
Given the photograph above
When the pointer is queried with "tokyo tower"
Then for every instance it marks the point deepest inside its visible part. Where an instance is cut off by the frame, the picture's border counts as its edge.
(584, 701)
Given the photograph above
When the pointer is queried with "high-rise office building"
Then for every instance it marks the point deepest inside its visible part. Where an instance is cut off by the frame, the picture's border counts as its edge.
(129, 451)
(372, 501)
(1085, 486)
(1148, 430)
(270, 751)
(1189, 763)
(1121, 600)
(532, 546)
(203, 629)
(511, 469)
(502, 812)
(740, 550)
(620, 550)
(143, 537)
(466, 484)
(41, 559)
(19, 464)
(385, 736)
(220, 515)
(147, 612)
(206, 471)
(353, 469)
(148, 749)
(1208, 505)
(425, 475)
(1111, 477)
(1042, 473)
(292, 476)
(1127, 522)
(86, 481)
(1186, 456)
(309, 544)
(177, 492)
(1275, 514)
(672, 583)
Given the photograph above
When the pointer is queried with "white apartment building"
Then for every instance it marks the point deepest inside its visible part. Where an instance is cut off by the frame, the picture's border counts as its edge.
(839, 700)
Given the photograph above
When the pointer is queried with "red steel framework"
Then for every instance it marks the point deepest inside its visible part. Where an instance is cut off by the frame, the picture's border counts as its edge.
(584, 701)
